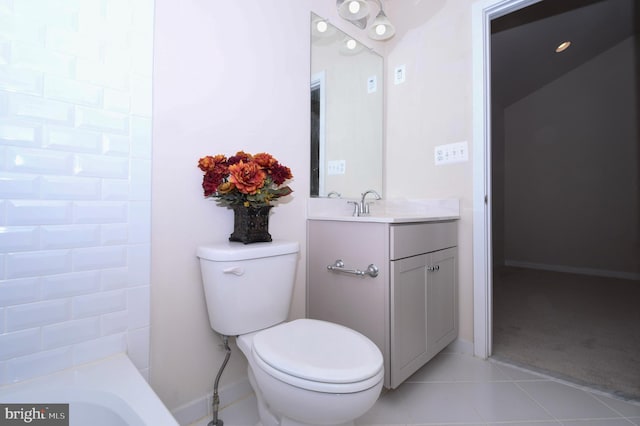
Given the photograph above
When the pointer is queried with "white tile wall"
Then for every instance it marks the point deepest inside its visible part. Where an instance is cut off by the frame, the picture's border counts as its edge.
(75, 167)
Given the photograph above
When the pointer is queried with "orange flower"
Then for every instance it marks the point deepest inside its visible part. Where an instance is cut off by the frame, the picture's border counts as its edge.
(247, 177)
(266, 161)
(215, 164)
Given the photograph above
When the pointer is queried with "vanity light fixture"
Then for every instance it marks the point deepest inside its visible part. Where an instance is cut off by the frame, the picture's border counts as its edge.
(322, 26)
(357, 12)
(563, 46)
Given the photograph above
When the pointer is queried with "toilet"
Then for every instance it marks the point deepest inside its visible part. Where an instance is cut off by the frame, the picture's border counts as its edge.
(303, 372)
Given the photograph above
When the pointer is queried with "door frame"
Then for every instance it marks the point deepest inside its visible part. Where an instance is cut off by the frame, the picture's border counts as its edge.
(482, 13)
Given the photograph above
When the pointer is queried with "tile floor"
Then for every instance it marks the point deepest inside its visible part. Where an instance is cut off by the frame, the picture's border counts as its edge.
(457, 389)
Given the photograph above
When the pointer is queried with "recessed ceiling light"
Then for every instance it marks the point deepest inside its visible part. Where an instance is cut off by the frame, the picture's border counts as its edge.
(563, 46)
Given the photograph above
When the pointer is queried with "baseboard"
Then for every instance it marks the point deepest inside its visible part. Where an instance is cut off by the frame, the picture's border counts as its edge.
(201, 407)
(574, 270)
(460, 346)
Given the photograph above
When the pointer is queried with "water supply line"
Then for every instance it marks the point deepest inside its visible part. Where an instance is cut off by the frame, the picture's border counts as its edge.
(216, 399)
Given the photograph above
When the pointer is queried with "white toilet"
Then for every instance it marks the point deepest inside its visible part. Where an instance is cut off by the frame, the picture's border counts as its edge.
(303, 372)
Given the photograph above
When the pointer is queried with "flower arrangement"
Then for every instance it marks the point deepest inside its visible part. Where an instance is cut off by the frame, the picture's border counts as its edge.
(244, 179)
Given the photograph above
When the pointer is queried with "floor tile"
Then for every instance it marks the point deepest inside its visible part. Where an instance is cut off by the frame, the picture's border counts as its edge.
(505, 402)
(390, 409)
(627, 409)
(466, 391)
(599, 422)
(451, 367)
(440, 403)
(516, 373)
(242, 413)
(544, 423)
(565, 402)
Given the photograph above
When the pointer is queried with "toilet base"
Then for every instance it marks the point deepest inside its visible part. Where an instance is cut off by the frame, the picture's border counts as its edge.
(269, 417)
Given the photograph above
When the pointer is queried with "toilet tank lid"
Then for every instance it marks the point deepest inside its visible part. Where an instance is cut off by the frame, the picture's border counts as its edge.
(232, 251)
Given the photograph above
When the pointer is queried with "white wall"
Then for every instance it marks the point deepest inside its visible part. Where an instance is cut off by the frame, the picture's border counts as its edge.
(431, 108)
(75, 149)
(228, 76)
(581, 213)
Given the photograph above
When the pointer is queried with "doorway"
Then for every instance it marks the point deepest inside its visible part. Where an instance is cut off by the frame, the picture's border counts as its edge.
(558, 187)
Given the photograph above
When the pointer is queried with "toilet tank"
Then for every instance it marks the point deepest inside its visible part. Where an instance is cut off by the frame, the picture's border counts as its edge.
(247, 287)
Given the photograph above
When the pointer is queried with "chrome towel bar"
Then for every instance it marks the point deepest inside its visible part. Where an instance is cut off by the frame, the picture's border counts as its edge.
(338, 266)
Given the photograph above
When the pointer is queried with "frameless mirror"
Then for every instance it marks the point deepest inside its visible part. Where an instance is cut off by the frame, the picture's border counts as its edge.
(346, 114)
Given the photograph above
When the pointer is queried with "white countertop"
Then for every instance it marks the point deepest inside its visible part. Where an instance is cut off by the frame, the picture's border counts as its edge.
(385, 211)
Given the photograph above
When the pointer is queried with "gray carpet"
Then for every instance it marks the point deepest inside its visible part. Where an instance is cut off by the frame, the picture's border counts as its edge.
(578, 328)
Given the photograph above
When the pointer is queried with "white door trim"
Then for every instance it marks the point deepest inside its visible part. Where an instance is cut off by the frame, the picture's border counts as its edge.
(482, 13)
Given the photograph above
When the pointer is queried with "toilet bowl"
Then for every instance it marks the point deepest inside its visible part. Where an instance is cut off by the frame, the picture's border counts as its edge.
(303, 372)
(314, 372)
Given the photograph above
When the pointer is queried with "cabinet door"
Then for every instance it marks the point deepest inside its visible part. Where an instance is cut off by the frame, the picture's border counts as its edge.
(442, 300)
(424, 314)
(408, 316)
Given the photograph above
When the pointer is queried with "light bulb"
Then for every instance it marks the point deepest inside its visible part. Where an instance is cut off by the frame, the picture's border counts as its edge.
(351, 44)
(381, 29)
(354, 7)
(563, 46)
(322, 26)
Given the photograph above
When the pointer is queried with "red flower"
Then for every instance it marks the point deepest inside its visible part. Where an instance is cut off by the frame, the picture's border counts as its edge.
(240, 156)
(280, 173)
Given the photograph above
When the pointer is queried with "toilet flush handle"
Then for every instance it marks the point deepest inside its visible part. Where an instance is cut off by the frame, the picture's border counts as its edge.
(235, 270)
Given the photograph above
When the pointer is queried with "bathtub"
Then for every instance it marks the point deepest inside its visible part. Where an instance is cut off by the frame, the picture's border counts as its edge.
(109, 392)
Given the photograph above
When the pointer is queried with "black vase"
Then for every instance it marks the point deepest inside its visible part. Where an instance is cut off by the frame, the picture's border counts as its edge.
(250, 224)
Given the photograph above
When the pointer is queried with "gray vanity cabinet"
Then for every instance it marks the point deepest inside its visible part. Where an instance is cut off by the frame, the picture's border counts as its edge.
(410, 309)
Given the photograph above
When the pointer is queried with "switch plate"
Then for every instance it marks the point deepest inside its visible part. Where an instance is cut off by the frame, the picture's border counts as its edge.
(400, 74)
(372, 84)
(336, 167)
(451, 153)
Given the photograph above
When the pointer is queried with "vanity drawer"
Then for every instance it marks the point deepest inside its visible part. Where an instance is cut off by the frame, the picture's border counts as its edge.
(411, 239)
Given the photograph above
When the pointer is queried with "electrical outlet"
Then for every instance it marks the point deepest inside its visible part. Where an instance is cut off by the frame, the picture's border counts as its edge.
(451, 153)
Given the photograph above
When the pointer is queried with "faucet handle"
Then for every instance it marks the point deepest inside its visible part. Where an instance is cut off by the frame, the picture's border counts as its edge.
(356, 208)
(365, 208)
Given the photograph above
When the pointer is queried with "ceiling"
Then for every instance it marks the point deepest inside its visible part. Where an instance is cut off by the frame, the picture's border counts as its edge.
(523, 43)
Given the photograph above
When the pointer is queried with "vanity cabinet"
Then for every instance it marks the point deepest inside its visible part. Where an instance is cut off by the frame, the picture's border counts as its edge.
(410, 308)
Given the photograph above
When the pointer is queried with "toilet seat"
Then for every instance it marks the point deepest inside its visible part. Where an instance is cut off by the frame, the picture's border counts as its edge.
(318, 355)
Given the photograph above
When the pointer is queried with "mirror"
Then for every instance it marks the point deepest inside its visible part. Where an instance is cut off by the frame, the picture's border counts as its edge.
(346, 114)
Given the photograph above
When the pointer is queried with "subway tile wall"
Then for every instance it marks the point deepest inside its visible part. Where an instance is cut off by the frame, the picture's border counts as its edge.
(75, 183)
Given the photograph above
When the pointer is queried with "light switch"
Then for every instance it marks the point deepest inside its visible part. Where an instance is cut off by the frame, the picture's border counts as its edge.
(372, 84)
(451, 153)
(336, 167)
(400, 74)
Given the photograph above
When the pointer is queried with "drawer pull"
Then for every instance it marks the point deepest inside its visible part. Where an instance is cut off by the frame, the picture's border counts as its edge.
(338, 266)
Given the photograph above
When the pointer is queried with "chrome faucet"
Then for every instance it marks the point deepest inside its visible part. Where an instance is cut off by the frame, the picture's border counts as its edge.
(364, 206)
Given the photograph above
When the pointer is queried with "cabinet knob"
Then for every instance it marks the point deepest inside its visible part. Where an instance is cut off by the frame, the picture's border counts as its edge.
(433, 268)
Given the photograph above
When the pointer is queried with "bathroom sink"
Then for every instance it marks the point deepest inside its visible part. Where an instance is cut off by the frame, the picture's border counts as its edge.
(385, 211)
